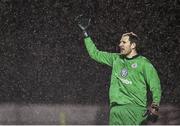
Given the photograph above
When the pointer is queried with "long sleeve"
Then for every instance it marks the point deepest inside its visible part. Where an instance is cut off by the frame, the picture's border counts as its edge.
(99, 56)
(153, 81)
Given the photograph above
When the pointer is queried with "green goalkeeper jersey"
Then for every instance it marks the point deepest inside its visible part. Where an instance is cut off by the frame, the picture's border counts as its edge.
(130, 76)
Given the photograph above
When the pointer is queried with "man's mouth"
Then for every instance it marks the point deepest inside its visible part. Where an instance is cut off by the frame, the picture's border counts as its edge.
(122, 49)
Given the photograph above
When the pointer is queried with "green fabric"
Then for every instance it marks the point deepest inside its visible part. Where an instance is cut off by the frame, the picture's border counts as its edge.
(126, 115)
(130, 77)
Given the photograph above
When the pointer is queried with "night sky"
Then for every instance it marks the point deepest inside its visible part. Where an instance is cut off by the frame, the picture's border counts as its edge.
(43, 58)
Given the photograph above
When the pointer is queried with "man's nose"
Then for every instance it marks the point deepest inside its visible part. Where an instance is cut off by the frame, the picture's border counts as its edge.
(120, 44)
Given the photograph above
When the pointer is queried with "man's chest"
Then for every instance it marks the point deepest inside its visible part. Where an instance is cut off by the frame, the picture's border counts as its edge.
(127, 68)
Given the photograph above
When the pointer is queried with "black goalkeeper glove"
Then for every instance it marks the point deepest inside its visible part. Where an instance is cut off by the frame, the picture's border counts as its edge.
(84, 30)
(83, 23)
(152, 113)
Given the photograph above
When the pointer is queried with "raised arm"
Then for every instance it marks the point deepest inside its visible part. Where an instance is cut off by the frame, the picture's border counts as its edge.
(99, 56)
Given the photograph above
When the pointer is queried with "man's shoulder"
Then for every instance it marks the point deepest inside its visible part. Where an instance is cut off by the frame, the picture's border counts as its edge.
(116, 55)
(144, 60)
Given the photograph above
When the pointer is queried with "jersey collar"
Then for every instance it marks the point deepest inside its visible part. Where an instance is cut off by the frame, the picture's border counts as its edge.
(132, 57)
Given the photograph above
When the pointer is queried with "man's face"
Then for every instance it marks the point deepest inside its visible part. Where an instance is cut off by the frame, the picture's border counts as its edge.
(125, 45)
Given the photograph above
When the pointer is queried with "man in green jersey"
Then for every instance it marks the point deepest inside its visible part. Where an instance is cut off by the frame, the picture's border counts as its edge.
(131, 74)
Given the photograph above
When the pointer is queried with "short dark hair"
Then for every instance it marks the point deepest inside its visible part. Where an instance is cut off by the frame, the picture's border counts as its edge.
(133, 38)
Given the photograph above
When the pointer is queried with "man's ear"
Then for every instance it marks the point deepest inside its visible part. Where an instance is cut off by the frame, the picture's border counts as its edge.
(133, 45)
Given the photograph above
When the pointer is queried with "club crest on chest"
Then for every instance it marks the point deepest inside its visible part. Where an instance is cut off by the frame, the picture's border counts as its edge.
(124, 72)
(134, 65)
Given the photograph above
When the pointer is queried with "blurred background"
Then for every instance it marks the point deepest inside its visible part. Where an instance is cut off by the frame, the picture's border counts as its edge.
(46, 75)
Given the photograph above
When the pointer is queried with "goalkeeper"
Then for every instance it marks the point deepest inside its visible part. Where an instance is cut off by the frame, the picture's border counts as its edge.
(131, 74)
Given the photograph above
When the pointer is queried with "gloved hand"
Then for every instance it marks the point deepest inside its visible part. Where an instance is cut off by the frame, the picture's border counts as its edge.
(83, 23)
(83, 29)
(152, 113)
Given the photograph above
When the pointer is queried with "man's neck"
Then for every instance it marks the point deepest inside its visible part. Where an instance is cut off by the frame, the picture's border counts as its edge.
(132, 54)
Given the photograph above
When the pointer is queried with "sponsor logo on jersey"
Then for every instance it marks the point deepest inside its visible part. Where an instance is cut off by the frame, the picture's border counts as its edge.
(134, 65)
(124, 72)
(123, 80)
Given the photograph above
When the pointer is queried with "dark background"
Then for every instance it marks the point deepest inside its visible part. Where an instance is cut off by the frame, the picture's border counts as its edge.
(43, 58)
